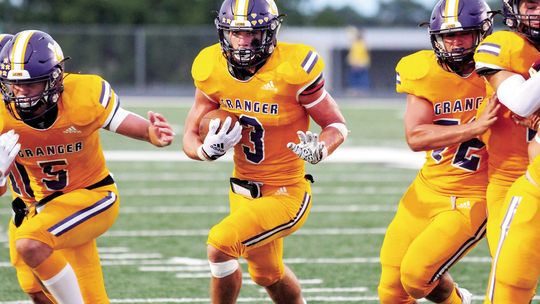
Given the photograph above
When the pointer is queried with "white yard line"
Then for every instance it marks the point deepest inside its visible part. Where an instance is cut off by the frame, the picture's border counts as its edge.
(213, 191)
(203, 232)
(159, 265)
(212, 209)
(198, 176)
(393, 156)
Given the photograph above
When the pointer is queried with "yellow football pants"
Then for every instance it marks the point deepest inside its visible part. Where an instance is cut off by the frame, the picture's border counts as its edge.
(429, 233)
(516, 263)
(70, 224)
(255, 227)
(495, 197)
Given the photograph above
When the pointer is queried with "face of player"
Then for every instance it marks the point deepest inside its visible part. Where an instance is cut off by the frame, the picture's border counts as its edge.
(459, 40)
(530, 8)
(30, 93)
(244, 39)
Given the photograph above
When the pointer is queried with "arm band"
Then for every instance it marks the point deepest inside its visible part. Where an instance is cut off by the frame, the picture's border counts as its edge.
(342, 128)
(519, 95)
(118, 118)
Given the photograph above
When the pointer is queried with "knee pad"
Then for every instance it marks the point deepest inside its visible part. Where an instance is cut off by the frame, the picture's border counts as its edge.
(223, 269)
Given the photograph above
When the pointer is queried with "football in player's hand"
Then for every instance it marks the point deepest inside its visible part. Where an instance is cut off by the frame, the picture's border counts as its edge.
(217, 113)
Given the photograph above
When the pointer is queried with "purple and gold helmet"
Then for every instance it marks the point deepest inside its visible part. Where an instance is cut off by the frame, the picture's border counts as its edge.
(516, 21)
(453, 16)
(4, 38)
(30, 57)
(248, 15)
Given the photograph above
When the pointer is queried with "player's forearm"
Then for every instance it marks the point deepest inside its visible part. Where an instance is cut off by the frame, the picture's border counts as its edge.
(190, 144)
(333, 137)
(139, 131)
(132, 125)
(429, 137)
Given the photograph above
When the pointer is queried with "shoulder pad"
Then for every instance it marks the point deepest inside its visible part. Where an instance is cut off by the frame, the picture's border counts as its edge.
(415, 66)
(82, 99)
(204, 62)
(299, 64)
(411, 69)
(495, 52)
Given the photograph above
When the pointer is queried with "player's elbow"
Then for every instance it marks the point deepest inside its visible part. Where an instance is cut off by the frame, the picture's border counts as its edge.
(415, 144)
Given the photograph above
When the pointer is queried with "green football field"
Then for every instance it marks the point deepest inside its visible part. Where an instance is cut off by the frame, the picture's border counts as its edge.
(156, 251)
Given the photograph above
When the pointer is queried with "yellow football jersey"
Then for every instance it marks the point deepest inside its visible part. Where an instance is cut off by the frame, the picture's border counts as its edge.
(506, 141)
(534, 170)
(457, 169)
(67, 155)
(267, 106)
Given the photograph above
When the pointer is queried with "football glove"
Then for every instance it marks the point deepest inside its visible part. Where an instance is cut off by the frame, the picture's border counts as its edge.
(217, 143)
(310, 148)
(8, 151)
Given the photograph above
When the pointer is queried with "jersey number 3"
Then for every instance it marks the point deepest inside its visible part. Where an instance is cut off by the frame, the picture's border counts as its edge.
(255, 153)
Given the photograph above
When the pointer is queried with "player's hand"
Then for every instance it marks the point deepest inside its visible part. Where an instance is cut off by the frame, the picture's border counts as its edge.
(310, 148)
(487, 117)
(160, 132)
(532, 121)
(8, 151)
(217, 143)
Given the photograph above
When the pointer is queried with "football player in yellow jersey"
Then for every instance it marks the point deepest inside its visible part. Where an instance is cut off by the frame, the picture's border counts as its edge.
(55, 117)
(504, 59)
(442, 214)
(509, 61)
(8, 141)
(274, 88)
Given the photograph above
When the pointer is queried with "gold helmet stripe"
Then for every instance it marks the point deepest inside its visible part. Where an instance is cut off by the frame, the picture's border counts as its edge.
(19, 50)
(451, 11)
(241, 10)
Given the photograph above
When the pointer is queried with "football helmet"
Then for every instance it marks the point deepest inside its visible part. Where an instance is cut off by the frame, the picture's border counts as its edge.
(248, 15)
(4, 38)
(516, 21)
(30, 57)
(453, 16)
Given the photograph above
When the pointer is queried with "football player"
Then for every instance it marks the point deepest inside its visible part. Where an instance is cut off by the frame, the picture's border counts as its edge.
(28, 281)
(442, 214)
(508, 60)
(274, 88)
(54, 119)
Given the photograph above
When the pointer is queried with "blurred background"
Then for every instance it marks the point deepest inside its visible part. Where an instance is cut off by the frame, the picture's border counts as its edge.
(146, 47)
(156, 251)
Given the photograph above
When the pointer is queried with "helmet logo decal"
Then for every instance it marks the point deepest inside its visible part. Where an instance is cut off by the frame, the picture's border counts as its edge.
(19, 50)
(4, 67)
(55, 48)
